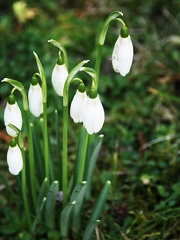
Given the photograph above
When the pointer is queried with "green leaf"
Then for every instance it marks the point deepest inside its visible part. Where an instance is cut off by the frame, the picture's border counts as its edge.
(69, 79)
(89, 71)
(51, 204)
(19, 87)
(100, 202)
(42, 193)
(90, 229)
(93, 152)
(42, 76)
(71, 213)
(13, 127)
(97, 211)
(38, 215)
(65, 219)
(78, 193)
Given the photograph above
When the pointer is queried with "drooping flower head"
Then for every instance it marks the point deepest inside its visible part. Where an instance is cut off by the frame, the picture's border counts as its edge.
(12, 115)
(14, 158)
(122, 56)
(35, 98)
(93, 113)
(59, 76)
(78, 103)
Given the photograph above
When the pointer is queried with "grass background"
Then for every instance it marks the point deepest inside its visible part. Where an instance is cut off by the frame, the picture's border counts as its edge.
(140, 152)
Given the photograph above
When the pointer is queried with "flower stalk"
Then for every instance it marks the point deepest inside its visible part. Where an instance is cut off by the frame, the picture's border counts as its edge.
(45, 130)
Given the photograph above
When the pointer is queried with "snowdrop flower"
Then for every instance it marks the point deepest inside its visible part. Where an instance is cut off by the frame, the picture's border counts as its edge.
(122, 56)
(12, 115)
(93, 114)
(35, 98)
(59, 76)
(14, 158)
(78, 103)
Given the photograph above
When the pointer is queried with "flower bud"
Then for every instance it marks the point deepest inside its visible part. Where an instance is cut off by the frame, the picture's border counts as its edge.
(12, 115)
(122, 56)
(35, 98)
(14, 158)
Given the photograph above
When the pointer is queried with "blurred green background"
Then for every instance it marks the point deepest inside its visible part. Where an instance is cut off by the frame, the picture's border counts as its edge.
(142, 109)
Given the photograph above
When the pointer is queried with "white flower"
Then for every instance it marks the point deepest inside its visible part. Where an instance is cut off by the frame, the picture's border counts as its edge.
(122, 56)
(77, 106)
(93, 115)
(59, 76)
(14, 160)
(35, 100)
(12, 115)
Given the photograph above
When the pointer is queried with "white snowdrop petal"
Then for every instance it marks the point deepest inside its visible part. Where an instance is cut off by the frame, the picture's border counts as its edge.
(59, 76)
(115, 56)
(99, 117)
(93, 117)
(14, 160)
(35, 100)
(77, 106)
(12, 115)
(88, 116)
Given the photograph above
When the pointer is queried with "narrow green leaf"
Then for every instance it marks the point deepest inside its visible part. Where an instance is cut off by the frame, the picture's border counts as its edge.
(19, 87)
(70, 78)
(38, 215)
(71, 212)
(100, 202)
(91, 160)
(42, 193)
(89, 71)
(14, 128)
(50, 205)
(90, 229)
(97, 211)
(42, 76)
(65, 219)
(79, 193)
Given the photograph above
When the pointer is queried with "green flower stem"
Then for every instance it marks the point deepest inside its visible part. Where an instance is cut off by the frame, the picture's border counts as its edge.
(64, 162)
(31, 159)
(45, 141)
(83, 157)
(24, 190)
(59, 157)
(45, 131)
(97, 65)
(69, 80)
